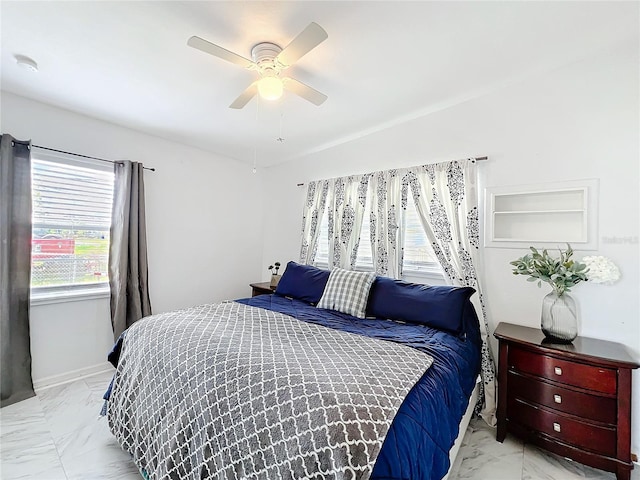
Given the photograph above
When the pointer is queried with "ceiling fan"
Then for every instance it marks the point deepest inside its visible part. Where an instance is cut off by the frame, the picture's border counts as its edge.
(270, 60)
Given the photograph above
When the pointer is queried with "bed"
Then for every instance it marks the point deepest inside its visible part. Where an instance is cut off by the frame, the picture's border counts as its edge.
(275, 386)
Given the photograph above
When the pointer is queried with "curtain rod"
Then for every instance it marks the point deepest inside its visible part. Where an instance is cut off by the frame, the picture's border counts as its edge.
(86, 156)
(477, 159)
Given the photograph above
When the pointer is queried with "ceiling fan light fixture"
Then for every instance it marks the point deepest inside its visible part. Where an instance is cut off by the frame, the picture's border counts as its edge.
(269, 61)
(270, 88)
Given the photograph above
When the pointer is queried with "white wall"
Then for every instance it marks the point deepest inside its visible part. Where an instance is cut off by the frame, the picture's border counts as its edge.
(577, 122)
(580, 121)
(69, 339)
(203, 228)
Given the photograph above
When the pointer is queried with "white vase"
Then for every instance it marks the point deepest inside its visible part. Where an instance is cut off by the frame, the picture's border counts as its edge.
(559, 319)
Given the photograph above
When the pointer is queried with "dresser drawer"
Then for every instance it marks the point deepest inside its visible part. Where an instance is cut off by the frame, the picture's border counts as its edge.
(576, 374)
(573, 400)
(593, 407)
(590, 437)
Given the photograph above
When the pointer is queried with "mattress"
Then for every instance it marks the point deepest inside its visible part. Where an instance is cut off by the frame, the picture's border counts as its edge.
(425, 424)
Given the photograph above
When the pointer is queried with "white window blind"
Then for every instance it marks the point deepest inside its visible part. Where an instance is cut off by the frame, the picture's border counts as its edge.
(418, 259)
(322, 254)
(364, 260)
(418, 253)
(71, 222)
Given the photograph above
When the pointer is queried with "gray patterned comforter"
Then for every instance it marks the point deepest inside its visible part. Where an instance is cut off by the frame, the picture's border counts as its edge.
(228, 391)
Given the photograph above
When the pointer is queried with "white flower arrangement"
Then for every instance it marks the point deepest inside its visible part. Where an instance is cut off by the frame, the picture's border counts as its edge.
(601, 270)
(564, 273)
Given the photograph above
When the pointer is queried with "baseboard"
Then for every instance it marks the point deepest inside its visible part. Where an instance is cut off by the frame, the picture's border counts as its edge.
(73, 375)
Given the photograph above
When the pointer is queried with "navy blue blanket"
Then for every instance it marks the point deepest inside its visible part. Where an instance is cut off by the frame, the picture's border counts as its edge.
(426, 426)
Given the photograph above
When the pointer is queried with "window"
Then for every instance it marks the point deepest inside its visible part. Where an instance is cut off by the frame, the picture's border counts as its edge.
(419, 261)
(71, 220)
(322, 254)
(364, 261)
(418, 253)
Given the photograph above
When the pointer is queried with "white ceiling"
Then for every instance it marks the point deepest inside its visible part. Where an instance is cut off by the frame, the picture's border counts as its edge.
(384, 62)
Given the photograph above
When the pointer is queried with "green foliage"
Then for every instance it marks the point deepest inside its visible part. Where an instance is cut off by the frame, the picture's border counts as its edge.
(561, 273)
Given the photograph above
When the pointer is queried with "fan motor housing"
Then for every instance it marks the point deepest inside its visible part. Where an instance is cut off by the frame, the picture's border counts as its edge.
(265, 52)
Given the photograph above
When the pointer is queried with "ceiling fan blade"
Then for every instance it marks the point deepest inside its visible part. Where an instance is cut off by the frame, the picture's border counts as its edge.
(304, 91)
(245, 96)
(223, 53)
(307, 40)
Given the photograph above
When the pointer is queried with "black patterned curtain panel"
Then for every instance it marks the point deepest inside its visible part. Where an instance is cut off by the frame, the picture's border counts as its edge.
(446, 199)
(314, 207)
(15, 270)
(386, 225)
(346, 213)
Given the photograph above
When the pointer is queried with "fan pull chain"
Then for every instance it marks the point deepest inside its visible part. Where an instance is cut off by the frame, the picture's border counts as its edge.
(255, 145)
(280, 137)
(255, 163)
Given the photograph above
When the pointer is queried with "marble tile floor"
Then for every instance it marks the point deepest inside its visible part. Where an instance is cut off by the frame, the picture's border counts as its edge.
(58, 435)
(481, 457)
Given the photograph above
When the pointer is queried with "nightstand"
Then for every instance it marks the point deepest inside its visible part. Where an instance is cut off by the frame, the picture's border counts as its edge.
(573, 400)
(262, 288)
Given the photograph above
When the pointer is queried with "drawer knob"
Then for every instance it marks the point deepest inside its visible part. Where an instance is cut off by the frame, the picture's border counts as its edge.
(557, 371)
(556, 426)
(557, 398)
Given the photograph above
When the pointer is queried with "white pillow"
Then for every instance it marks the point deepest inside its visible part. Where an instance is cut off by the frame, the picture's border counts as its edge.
(347, 292)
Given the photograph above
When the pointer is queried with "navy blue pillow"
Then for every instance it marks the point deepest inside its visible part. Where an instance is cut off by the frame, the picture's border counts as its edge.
(436, 306)
(304, 282)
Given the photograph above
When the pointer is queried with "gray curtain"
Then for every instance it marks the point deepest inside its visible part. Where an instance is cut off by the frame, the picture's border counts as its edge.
(15, 270)
(128, 272)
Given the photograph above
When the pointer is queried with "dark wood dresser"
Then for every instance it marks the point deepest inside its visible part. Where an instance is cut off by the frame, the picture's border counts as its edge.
(573, 400)
(261, 288)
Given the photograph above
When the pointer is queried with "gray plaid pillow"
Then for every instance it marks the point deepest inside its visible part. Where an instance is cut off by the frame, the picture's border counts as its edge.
(347, 292)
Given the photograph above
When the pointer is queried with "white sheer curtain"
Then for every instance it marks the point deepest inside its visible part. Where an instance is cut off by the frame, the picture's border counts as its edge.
(446, 198)
(314, 207)
(347, 199)
(387, 223)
